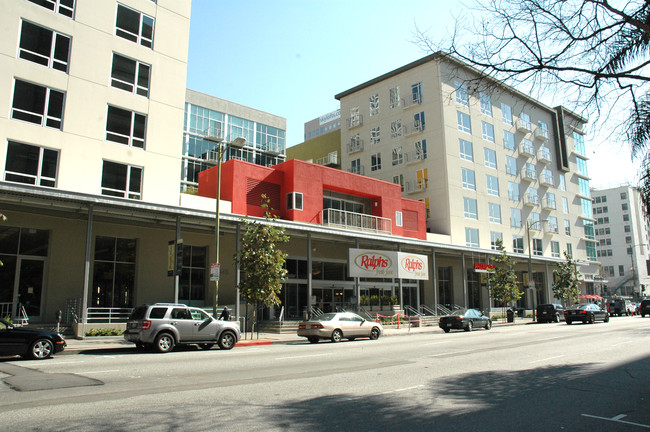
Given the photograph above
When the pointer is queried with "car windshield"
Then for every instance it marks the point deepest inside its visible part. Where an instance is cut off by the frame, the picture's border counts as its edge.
(545, 307)
(587, 307)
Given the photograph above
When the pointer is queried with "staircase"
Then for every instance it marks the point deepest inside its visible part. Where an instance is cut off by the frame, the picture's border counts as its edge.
(280, 327)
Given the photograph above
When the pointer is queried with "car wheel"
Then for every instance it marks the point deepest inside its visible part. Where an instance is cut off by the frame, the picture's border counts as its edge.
(206, 346)
(446, 330)
(313, 340)
(488, 325)
(569, 322)
(591, 319)
(40, 349)
(164, 342)
(337, 335)
(606, 318)
(557, 318)
(642, 315)
(374, 333)
(469, 327)
(227, 340)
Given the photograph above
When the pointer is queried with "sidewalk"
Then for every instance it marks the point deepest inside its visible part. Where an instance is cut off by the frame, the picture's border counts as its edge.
(117, 342)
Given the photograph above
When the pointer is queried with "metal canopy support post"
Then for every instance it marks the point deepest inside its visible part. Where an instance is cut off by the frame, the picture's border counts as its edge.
(177, 277)
(464, 276)
(309, 275)
(434, 272)
(357, 287)
(238, 271)
(89, 238)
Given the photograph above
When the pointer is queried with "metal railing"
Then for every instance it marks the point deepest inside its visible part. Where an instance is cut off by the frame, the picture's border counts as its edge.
(357, 221)
(410, 310)
(108, 315)
(427, 310)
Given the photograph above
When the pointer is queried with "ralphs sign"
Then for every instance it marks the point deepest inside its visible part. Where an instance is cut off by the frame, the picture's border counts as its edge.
(382, 264)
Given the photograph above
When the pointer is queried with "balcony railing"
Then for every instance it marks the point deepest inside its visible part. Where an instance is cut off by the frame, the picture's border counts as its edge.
(544, 155)
(551, 228)
(546, 179)
(541, 134)
(330, 159)
(414, 156)
(526, 149)
(523, 126)
(354, 121)
(549, 203)
(528, 174)
(356, 221)
(355, 145)
(359, 169)
(413, 128)
(411, 100)
(531, 200)
(416, 185)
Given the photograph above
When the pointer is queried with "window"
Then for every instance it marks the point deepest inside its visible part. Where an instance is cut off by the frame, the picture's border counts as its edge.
(125, 127)
(469, 179)
(471, 237)
(31, 164)
(422, 176)
(565, 204)
(114, 272)
(624, 207)
(375, 162)
(193, 275)
(579, 144)
(623, 195)
(537, 247)
(627, 228)
(393, 97)
(586, 207)
(486, 104)
(419, 121)
(621, 270)
(490, 158)
(582, 167)
(518, 244)
(525, 120)
(584, 188)
(535, 222)
(63, 7)
(462, 97)
(532, 197)
(355, 166)
(513, 191)
(550, 200)
(294, 201)
(37, 104)
(509, 140)
(44, 46)
(396, 129)
(421, 150)
(628, 239)
(567, 227)
(562, 182)
(466, 151)
(374, 105)
(130, 75)
(511, 165)
(488, 131)
(626, 217)
(506, 114)
(555, 249)
(399, 219)
(399, 179)
(398, 157)
(542, 129)
(492, 185)
(416, 93)
(134, 26)
(494, 238)
(569, 250)
(551, 225)
(495, 213)
(464, 122)
(374, 136)
(515, 218)
(471, 209)
(119, 180)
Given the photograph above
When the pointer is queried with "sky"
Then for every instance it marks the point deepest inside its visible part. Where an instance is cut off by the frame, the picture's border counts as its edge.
(290, 57)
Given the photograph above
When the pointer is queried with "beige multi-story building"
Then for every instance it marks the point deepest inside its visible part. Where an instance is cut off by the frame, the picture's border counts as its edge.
(622, 236)
(488, 161)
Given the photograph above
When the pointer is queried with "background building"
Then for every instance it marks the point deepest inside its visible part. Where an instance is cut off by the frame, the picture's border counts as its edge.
(322, 125)
(622, 236)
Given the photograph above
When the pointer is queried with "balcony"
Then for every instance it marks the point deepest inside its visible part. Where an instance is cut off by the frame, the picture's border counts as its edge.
(413, 128)
(527, 149)
(531, 200)
(551, 229)
(523, 126)
(544, 155)
(329, 160)
(355, 145)
(414, 157)
(546, 179)
(541, 134)
(415, 186)
(354, 121)
(356, 221)
(411, 100)
(359, 169)
(548, 203)
(528, 174)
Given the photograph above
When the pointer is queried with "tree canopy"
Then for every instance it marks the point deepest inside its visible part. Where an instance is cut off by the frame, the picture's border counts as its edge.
(591, 56)
(567, 278)
(503, 280)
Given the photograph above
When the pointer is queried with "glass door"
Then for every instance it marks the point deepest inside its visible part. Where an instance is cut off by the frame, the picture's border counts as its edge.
(29, 286)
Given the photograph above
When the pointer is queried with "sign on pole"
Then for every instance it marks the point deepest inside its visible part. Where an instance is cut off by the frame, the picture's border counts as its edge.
(215, 272)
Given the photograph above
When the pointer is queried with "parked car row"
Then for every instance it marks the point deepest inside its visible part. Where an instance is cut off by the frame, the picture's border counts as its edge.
(29, 343)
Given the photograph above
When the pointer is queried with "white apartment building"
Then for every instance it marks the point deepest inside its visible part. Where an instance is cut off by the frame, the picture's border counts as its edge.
(622, 236)
(487, 160)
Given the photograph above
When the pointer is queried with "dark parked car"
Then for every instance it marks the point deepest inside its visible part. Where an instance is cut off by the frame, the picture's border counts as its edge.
(551, 312)
(31, 343)
(465, 319)
(644, 307)
(588, 313)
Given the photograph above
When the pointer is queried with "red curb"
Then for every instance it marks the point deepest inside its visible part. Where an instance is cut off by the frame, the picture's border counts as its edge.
(252, 343)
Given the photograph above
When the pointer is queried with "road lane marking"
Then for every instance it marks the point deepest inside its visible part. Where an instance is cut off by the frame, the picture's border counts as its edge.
(617, 419)
(402, 389)
(98, 372)
(546, 359)
(452, 353)
(302, 356)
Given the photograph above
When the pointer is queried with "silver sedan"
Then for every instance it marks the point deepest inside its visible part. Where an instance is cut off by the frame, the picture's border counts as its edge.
(337, 326)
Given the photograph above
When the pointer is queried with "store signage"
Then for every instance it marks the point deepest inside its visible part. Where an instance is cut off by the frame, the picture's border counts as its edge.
(484, 268)
(334, 115)
(387, 264)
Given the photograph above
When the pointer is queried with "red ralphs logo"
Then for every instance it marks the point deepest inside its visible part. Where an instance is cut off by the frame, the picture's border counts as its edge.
(372, 261)
(412, 264)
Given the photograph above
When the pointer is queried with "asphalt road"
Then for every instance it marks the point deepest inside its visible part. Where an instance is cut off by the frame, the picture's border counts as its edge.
(550, 377)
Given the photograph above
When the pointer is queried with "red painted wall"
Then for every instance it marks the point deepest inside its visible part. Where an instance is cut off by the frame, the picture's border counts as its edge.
(309, 179)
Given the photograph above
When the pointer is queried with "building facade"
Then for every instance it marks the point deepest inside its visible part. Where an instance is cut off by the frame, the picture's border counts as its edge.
(622, 236)
(323, 125)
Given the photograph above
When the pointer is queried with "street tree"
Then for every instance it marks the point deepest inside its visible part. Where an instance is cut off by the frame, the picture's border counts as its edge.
(589, 55)
(567, 278)
(503, 279)
(261, 262)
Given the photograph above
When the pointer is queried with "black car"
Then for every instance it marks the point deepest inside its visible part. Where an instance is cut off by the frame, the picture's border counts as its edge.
(30, 343)
(588, 313)
(644, 307)
(465, 319)
(550, 312)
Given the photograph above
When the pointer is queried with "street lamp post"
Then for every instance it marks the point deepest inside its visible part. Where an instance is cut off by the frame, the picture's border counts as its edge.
(221, 149)
(531, 282)
(635, 275)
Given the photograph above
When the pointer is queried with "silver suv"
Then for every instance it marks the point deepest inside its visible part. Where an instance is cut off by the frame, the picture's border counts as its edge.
(162, 326)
